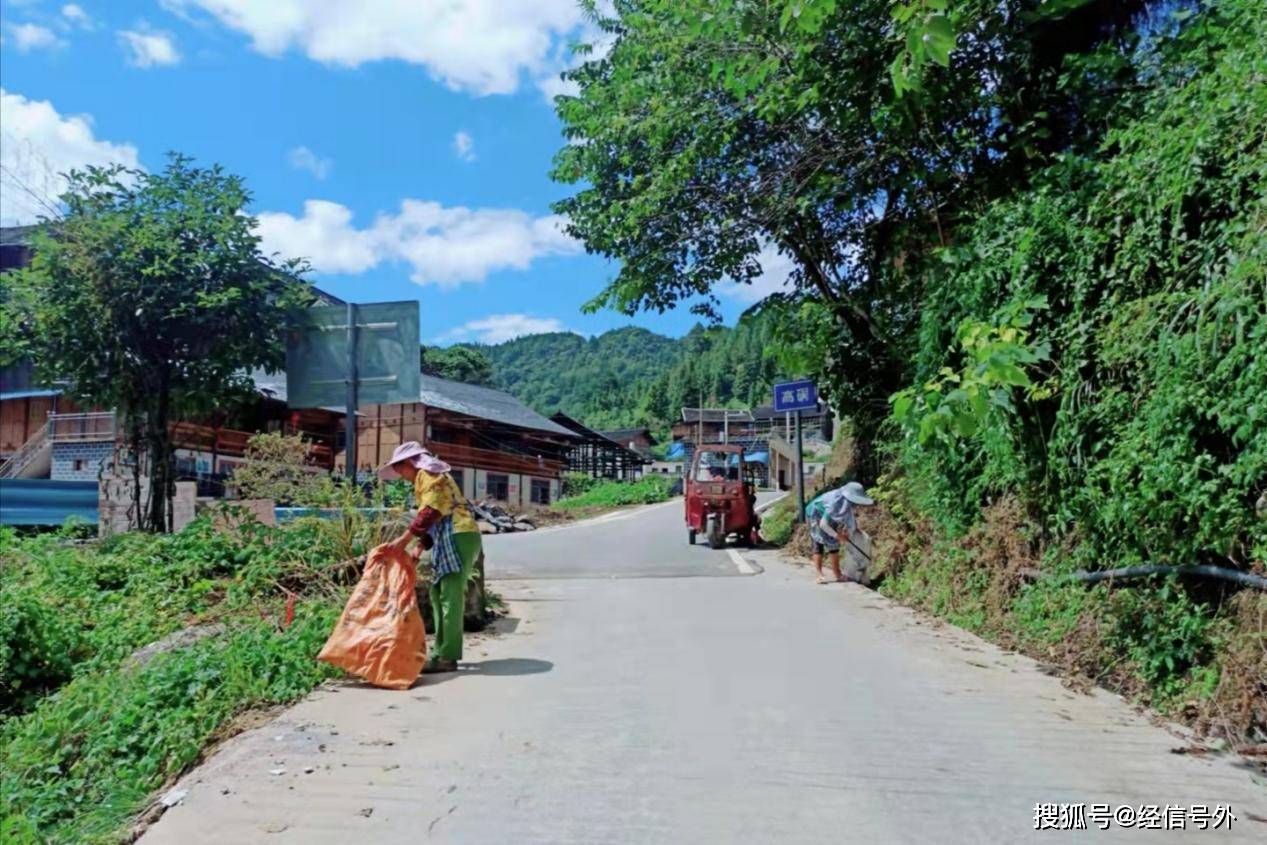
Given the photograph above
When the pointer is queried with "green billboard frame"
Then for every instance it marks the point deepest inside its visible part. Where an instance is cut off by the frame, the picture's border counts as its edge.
(384, 369)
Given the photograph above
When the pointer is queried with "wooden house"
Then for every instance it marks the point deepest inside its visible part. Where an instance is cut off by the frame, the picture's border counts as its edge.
(501, 450)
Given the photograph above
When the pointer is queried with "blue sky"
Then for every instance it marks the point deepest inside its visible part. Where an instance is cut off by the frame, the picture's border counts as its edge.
(403, 146)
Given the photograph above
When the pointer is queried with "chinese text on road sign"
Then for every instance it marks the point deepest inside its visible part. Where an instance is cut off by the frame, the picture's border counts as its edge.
(795, 396)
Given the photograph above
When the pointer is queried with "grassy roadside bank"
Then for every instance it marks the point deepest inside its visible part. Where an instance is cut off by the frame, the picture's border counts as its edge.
(1194, 652)
(89, 733)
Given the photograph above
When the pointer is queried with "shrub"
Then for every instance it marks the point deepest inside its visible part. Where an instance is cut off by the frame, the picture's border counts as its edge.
(576, 483)
(276, 466)
(39, 646)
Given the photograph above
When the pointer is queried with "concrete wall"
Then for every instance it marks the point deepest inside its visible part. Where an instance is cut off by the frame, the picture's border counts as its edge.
(115, 507)
(90, 457)
(475, 488)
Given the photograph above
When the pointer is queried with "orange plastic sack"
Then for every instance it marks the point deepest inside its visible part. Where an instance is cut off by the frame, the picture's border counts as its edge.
(380, 635)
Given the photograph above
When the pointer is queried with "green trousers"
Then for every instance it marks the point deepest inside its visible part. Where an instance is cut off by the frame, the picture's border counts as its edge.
(448, 599)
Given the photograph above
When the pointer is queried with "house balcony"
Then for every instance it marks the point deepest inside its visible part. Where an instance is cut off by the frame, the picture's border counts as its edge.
(103, 426)
(494, 460)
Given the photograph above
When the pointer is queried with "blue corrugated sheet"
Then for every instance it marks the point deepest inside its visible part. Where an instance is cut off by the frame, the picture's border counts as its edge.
(40, 501)
(290, 514)
(33, 393)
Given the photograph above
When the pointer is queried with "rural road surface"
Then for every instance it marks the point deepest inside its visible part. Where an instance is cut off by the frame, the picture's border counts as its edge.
(635, 702)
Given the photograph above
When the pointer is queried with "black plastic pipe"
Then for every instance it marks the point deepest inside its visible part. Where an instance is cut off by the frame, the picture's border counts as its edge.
(1246, 579)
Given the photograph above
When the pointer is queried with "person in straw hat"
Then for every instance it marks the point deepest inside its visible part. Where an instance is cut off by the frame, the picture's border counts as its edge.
(831, 521)
(445, 525)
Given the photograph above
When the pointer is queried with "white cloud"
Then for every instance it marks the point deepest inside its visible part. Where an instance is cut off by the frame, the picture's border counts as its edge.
(552, 84)
(775, 270)
(498, 328)
(302, 158)
(75, 14)
(149, 48)
(37, 145)
(446, 246)
(464, 146)
(28, 36)
(478, 46)
(555, 85)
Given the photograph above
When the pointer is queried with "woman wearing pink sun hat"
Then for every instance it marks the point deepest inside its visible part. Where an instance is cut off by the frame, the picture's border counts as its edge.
(445, 525)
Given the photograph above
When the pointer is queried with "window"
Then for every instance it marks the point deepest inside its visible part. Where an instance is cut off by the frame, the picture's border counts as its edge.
(80, 464)
(459, 478)
(540, 491)
(718, 466)
(498, 487)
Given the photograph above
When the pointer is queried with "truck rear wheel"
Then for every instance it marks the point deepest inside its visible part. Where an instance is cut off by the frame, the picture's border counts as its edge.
(716, 534)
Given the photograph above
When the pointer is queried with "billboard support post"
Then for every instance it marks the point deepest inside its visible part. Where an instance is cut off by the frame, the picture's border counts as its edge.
(350, 424)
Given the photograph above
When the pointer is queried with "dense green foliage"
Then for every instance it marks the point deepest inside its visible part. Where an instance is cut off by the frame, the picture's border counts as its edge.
(1150, 440)
(631, 376)
(605, 494)
(150, 296)
(458, 363)
(87, 737)
(1031, 265)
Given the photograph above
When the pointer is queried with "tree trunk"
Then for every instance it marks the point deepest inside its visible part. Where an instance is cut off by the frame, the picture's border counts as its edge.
(136, 440)
(162, 477)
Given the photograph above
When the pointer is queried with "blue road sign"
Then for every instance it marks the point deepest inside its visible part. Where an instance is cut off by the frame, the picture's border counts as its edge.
(795, 396)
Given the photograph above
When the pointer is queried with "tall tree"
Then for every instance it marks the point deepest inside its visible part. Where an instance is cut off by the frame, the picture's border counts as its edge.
(847, 137)
(458, 363)
(150, 295)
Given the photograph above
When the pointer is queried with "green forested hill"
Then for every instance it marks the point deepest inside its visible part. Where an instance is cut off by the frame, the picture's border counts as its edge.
(632, 376)
(596, 379)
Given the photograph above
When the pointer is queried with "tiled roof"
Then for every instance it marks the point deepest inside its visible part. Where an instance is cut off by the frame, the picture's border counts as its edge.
(485, 403)
(624, 435)
(693, 415)
(767, 412)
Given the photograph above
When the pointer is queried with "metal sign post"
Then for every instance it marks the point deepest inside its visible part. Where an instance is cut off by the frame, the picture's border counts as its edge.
(797, 396)
(350, 425)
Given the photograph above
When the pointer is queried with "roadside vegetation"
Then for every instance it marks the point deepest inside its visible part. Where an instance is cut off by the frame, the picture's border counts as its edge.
(123, 660)
(596, 494)
(1029, 264)
(89, 732)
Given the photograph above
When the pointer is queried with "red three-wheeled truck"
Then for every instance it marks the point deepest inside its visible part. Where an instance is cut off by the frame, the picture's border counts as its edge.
(721, 496)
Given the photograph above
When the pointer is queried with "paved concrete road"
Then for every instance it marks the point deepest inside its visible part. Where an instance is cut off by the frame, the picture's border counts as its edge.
(756, 709)
(646, 542)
